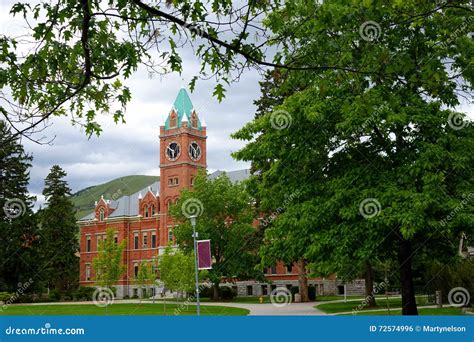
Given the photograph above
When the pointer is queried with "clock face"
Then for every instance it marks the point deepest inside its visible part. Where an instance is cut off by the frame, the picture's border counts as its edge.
(194, 151)
(173, 151)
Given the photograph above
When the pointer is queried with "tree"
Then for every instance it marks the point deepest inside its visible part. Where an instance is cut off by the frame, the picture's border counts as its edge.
(19, 239)
(108, 264)
(146, 276)
(58, 233)
(379, 156)
(80, 57)
(177, 270)
(225, 216)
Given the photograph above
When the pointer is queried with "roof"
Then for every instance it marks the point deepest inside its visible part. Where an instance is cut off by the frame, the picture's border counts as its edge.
(127, 205)
(234, 176)
(183, 106)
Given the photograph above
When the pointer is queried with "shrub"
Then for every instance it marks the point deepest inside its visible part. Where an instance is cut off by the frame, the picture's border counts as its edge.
(84, 293)
(5, 296)
(227, 293)
(55, 295)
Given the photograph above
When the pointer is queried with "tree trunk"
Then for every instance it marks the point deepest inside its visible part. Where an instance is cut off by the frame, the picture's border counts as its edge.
(303, 280)
(215, 291)
(406, 278)
(369, 285)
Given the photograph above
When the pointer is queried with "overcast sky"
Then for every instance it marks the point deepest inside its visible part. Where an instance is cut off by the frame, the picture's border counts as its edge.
(133, 148)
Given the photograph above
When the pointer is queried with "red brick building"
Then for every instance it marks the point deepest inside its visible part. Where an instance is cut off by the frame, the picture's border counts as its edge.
(142, 218)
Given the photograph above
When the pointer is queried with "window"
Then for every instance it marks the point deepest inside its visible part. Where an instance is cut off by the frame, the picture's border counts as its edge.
(289, 286)
(274, 270)
(192, 181)
(135, 270)
(145, 240)
(264, 290)
(101, 214)
(173, 181)
(135, 241)
(170, 234)
(145, 209)
(194, 120)
(168, 205)
(99, 237)
(153, 240)
(88, 272)
(289, 268)
(173, 119)
(273, 287)
(153, 212)
(249, 290)
(115, 238)
(88, 244)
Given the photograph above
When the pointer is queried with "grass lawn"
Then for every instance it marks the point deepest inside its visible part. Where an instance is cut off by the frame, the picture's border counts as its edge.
(352, 305)
(118, 309)
(421, 312)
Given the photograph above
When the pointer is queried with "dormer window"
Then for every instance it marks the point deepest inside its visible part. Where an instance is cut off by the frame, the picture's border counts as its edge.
(101, 215)
(173, 119)
(145, 209)
(194, 120)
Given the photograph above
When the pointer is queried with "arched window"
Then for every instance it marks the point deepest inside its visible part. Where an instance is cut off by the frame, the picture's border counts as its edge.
(168, 204)
(101, 215)
(145, 209)
(194, 120)
(153, 212)
(173, 119)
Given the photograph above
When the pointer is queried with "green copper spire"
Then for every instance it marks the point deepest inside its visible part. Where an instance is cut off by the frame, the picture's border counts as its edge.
(183, 106)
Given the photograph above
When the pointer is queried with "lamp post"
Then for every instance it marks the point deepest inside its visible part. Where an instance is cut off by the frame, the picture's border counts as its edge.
(193, 223)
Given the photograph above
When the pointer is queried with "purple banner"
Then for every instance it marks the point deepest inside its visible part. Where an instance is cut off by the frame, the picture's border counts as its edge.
(204, 254)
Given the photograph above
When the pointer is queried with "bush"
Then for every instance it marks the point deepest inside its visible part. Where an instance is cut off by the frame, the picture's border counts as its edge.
(5, 296)
(227, 293)
(84, 293)
(206, 292)
(55, 295)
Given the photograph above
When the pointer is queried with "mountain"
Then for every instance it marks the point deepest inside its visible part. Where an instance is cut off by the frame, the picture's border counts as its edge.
(84, 199)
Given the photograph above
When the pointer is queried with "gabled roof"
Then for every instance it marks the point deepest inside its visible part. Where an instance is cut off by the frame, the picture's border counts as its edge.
(127, 205)
(184, 107)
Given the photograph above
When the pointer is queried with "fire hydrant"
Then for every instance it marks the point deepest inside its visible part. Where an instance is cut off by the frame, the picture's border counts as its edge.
(260, 299)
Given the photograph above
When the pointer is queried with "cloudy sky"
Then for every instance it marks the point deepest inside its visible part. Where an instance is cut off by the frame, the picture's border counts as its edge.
(133, 148)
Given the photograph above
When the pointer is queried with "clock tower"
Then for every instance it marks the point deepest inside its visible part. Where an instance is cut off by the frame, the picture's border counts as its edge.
(182, 154)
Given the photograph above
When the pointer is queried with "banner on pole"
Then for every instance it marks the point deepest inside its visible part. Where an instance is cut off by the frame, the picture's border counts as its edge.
(204, 254)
